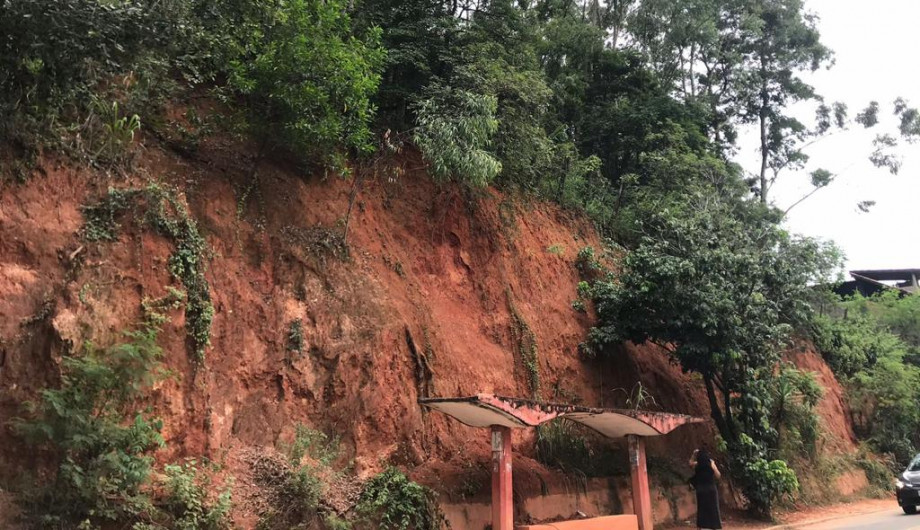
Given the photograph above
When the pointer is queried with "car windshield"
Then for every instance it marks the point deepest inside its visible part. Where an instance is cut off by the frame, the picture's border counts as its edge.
(914, 464)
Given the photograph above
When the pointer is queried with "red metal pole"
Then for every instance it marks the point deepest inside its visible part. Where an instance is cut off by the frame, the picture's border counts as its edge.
(502, 502)
(642, 500)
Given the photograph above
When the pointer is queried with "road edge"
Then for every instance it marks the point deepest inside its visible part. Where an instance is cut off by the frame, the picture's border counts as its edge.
(794, 526)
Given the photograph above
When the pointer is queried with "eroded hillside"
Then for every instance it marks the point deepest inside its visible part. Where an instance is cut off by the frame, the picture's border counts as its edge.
(439, 293)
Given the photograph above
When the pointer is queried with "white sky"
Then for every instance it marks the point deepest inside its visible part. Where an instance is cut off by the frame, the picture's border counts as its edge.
(876, 47)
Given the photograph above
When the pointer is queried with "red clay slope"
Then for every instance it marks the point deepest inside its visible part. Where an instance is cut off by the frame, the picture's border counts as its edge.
(431, 267)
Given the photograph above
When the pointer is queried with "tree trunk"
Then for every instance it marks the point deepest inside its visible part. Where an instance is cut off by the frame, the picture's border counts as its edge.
(716, 412)
(692, 76)
(355, 190)
(764, 106)
(562, 180)
(763, 157)
(253, 176)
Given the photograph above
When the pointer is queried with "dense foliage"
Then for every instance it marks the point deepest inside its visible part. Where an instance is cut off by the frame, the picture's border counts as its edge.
(872, 346)
(307, 79)
(715, 281)
(394, 502)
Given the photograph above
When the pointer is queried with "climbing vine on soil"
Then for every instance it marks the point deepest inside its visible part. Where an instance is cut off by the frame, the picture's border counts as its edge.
(160, 208)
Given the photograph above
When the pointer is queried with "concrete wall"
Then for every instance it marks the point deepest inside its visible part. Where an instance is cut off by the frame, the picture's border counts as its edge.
(592, 497)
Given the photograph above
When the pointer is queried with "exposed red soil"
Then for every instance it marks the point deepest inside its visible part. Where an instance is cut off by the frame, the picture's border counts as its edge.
(833, 408)
(429, 265)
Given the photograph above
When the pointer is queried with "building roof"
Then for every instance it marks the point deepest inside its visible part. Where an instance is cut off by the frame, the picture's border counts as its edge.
(887, 274)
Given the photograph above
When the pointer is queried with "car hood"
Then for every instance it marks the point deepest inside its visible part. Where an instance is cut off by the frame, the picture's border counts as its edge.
(911, 476)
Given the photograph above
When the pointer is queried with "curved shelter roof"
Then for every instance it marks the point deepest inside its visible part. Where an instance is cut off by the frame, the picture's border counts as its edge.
(485, 410)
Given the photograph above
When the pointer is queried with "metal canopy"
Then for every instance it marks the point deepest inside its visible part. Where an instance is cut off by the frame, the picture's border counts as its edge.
(485, 410)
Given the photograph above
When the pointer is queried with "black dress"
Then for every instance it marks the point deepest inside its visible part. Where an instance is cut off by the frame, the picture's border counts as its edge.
(707, 496)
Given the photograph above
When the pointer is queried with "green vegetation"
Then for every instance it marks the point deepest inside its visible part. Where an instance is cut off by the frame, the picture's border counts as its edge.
(101, 446)
(721, 287)
(393, 502)
(454, 131)
(303, 488)
(160, 209)
(186, 500)
(299, 484)
(306, 78)
(524, 343)
(587, 265)
(54, 70)
(295, 336)
(573, 449)
(872, 346)
(793, 398)
(534, 97)
(295, 71)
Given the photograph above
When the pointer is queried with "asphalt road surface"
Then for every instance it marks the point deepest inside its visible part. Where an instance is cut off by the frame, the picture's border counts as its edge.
(887, 520)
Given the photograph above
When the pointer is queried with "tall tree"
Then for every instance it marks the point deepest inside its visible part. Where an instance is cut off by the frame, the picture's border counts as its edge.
(786, 42)
(717, 283)
(743, 59)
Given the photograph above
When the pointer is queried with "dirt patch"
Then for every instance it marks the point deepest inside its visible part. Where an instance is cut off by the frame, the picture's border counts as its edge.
(9, 512)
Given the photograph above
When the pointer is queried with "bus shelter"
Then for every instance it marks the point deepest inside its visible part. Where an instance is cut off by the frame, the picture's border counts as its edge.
(501, 414)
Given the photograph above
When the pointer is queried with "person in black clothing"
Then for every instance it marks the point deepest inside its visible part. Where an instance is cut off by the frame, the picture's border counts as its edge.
(705, 474)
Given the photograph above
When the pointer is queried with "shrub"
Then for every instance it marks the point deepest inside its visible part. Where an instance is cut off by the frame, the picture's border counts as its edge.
(768, 481)
(317, 445)
(569, 447)
(54, 53)
(794, 396)
(394, 502)
(883, 404)
(296, 500)
(63, 65)
(852, 344)
(561, 446)
(879, 470)
(587, 264)
(187, 501)
(105, 136)
(876, 369)
(101, 446)
(585, 293)
(299, 485)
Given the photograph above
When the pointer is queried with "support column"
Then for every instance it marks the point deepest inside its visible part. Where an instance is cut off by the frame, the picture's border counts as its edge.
(642, 500)
(502, 501)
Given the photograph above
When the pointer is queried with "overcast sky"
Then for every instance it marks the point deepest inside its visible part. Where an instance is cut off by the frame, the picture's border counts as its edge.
(876, 47)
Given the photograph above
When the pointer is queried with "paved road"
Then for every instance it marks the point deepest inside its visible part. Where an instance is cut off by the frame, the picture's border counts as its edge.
(887, 520)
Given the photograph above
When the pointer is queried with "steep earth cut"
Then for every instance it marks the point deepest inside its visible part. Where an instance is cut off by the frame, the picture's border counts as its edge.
(442, 293)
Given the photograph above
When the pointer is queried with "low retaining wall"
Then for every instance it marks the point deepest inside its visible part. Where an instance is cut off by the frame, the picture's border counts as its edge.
(596, 497)
(611, 522)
